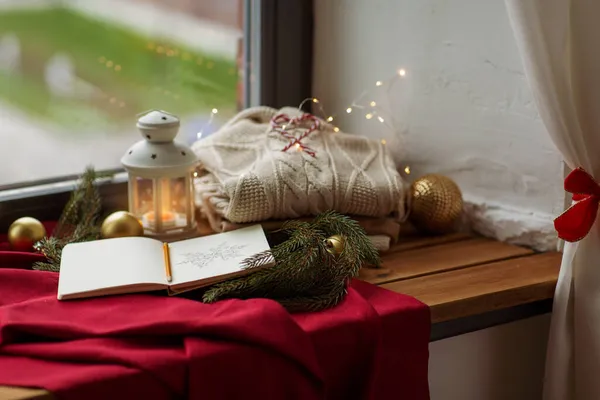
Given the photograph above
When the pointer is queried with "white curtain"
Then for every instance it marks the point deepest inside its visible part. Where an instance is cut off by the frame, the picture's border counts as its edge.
(559, 42)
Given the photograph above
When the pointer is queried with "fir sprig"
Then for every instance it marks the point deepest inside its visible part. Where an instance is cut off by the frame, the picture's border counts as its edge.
(305, 277)
(78, 222)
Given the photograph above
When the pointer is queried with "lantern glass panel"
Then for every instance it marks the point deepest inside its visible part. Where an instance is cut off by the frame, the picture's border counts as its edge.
(164, 205)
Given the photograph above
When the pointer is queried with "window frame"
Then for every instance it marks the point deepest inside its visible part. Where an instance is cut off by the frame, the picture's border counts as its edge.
(278, 53)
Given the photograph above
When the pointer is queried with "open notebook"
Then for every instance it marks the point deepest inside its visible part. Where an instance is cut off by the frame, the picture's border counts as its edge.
(138, 264)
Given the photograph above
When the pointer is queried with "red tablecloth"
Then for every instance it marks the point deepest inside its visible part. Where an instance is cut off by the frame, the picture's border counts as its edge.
(372, 346)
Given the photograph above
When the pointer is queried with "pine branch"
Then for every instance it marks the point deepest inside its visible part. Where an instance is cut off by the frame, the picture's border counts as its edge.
(258, 260)
(78, 222)
(305, 277)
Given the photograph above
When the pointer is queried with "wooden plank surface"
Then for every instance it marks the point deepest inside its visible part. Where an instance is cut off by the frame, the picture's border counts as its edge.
(416, 242)
(19, 393)
(439, 258)
(484, 288)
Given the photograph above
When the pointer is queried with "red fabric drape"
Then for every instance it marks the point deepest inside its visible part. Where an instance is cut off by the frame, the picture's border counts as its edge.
(372, 346)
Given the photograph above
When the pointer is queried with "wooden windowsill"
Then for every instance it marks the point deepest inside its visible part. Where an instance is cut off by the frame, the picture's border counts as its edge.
(458, 276)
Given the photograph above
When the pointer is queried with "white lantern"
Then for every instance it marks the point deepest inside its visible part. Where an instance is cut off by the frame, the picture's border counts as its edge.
(161, 191)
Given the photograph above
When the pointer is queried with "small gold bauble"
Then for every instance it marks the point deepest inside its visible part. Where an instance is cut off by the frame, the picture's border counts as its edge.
(121, 224)
(24, 233)
(335, 244)
(436, 203)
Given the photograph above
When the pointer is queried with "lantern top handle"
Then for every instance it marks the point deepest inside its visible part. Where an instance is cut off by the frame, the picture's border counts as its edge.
(158, 126)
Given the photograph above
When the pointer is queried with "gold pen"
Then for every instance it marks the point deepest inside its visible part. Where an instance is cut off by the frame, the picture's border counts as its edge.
(167, 261)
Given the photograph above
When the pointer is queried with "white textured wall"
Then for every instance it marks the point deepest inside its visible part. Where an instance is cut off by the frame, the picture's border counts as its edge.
(464, 106)
(505, 362)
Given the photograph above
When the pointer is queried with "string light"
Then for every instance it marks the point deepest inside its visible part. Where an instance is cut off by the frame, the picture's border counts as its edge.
(109, 64)
(117, 67)
(374, 111)
(213, 112)
(298, 147)
(407, 170)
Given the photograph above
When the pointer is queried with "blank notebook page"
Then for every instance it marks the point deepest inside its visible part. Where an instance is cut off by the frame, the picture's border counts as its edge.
(111, 263)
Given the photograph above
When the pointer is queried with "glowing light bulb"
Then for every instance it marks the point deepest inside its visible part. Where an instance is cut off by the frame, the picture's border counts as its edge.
(102, 60)
(315, 100)
(336, 129)
(369, 116)
(195, 174)
(407, 170)
(298, 147)
(214, 111)
(117, 67)
(378, 83)
(283, 127)
(372, 104)
(383, 141)
(349, 110)
(329, 119)
(402, 72)
(380, 119)
(109, 64)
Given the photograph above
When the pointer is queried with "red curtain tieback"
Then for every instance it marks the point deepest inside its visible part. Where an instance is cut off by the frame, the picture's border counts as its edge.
(575, 223)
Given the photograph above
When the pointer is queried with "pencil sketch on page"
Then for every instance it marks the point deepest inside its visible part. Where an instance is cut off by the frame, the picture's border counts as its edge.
(223, 252)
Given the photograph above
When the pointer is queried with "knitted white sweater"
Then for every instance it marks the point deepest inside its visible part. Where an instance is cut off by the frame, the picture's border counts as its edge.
(246, 177)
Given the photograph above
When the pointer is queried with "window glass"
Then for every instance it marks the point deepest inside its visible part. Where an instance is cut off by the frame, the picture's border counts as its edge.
(74, 74)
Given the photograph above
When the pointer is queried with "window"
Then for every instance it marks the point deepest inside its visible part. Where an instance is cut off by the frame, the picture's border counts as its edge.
(74, 74)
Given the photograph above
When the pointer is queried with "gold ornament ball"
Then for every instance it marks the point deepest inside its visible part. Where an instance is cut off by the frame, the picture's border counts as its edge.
(335, 244)
(24, 233)
(121, 224)
(436, 204)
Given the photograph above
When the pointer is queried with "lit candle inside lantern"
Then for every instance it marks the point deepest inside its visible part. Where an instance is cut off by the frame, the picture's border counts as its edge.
(167, 218)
